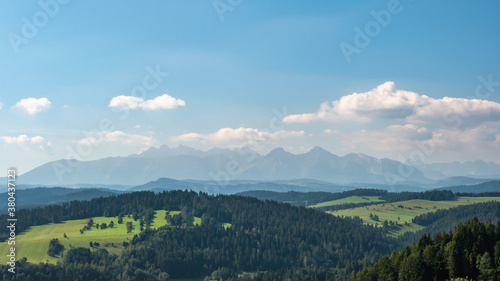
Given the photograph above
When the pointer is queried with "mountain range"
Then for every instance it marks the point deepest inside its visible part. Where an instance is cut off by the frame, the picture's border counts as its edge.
(223, 167)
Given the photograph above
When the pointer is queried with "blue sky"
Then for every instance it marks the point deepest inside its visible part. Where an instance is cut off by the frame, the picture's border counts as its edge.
(232, 64)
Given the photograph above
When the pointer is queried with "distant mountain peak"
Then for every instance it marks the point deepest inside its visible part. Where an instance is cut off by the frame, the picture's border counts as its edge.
(166, 151)
(319, 149)
(278, 151)
(215, 150)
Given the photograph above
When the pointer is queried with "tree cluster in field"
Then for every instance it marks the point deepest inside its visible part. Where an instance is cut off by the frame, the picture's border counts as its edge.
(55, 247)
(91, 224)
(185, 217)
(374, 217)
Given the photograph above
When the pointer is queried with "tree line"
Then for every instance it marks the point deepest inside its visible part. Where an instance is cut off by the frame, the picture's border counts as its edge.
(471, 251)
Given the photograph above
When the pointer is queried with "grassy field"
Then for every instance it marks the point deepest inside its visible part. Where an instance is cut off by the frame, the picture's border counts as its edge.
(405, 211)
(350, 199)
(34, 243)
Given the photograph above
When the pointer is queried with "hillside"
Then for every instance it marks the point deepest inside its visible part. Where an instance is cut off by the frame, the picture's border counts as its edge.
(34, 243)
(309, 198)
(399, 216)
(265, 236)
(489, 186)
(471, 251)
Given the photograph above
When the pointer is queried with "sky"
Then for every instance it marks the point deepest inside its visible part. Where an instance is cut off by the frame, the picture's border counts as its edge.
(392, 79)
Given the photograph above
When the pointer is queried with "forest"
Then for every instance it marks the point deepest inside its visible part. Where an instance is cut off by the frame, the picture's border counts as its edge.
(472, 251)
(265, 236)
(267, 240)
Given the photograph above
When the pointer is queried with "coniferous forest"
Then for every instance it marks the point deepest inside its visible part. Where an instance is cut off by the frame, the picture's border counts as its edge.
(264, 236)
(270, 240)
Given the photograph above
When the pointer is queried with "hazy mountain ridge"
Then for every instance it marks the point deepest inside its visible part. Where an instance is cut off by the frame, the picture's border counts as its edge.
(41, 196)
(225, 166)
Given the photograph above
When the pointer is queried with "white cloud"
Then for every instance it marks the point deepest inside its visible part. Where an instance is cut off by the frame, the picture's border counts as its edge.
(21, 139)
(161, 102)
(1, 105)
(37, 139)
(467, 144)
(121, 138)
(33, 105)
(456, 112)
(470, 139)
(331, 132)
(228, 137)
(440, 145)
(392, 138)
(388, 102)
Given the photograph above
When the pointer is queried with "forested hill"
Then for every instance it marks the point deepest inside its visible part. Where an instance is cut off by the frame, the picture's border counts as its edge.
(311, 198)
(472, 250)
(42, 196)
(445, 220)
(489, 186)
(265, 235)
(299, 198)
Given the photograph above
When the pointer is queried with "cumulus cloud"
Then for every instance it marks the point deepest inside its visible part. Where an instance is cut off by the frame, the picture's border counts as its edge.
(388, 102)
(456, 112)
(121, 138)
(21, 139)
(161, 102)
(1, 105)
(33, 105)
(37, 139)
(229, 137)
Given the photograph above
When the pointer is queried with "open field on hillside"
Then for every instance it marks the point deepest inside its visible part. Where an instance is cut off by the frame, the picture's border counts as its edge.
(34, 243)
(350, 199)
(404, 211)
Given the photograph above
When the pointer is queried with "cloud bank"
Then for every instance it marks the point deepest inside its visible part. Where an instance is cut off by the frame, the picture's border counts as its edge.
(229, 137)
(21, 139)
(161, 102)
(388, 102)
(121, 138)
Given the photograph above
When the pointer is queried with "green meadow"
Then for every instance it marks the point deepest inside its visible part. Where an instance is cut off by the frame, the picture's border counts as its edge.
(404, 211)
(34, 243)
